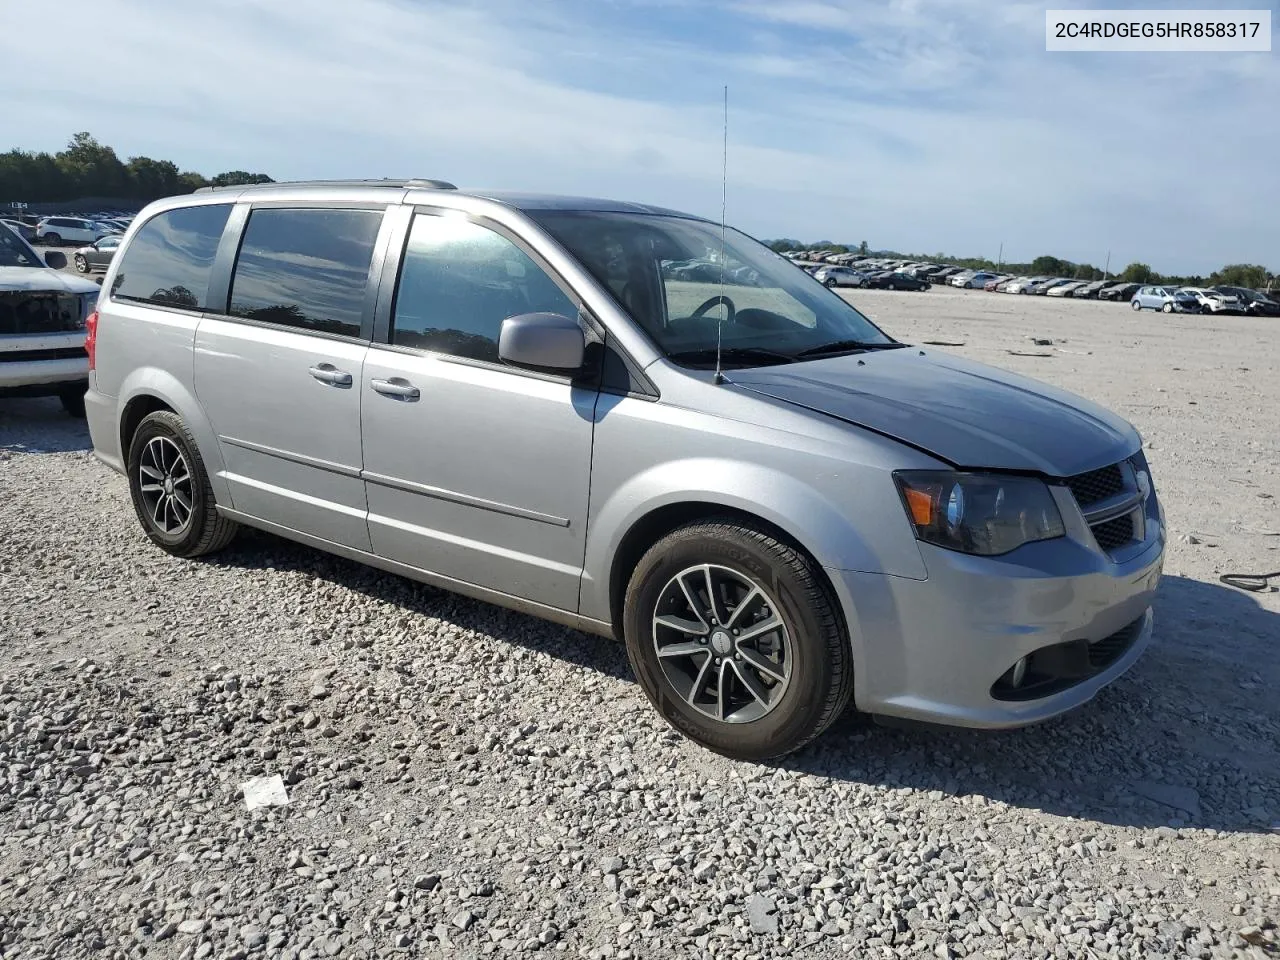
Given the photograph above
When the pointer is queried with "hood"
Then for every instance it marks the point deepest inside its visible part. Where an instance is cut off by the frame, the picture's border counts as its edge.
(966, 413)
(42, 279)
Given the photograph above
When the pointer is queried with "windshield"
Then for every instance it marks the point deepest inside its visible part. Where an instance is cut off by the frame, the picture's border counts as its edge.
(666, 272)
(14, 251)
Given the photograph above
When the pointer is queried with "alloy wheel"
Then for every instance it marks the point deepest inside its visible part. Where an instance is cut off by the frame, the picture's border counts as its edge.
(722, 644)
(164, 480)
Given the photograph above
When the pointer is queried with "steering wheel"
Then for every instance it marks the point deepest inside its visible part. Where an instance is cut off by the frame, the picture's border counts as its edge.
(730, 309)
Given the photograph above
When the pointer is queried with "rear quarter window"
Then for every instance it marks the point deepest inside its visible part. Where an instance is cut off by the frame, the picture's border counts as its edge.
(170, 258)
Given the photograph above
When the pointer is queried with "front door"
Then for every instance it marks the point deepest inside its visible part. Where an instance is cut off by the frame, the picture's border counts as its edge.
(474, 470)
(280, 373)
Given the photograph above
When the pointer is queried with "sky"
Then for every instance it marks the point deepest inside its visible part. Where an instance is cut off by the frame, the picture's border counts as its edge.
(924, 126)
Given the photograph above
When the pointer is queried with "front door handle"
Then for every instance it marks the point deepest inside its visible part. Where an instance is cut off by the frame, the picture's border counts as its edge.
(328, 373)
(397, 387)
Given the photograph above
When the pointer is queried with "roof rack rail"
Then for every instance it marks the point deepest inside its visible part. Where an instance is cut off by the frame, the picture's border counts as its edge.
(418, 182)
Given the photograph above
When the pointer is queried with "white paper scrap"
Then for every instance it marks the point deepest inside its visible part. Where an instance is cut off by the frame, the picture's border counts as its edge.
(264, 792)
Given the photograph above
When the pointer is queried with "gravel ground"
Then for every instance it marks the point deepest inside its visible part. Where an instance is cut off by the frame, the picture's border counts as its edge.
(465, 781)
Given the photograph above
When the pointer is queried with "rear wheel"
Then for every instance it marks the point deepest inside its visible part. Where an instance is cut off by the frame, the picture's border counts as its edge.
(1136, 305)
(73, 401)
(735, 640)
(82, 265)
(170, 489)
(52, 239)
(830, 283)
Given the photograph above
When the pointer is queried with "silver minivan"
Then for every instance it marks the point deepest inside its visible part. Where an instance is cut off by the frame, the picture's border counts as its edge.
(775, 504)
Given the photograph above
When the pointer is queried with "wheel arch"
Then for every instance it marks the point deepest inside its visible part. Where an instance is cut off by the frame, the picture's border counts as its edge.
(148, 389)
(660, 521)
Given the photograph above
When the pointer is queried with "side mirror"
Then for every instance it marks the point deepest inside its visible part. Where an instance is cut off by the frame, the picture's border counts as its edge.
(55, 259)
(545, 341)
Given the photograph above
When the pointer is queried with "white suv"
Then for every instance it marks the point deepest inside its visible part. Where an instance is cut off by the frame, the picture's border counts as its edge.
(56, 230)
(42, 325)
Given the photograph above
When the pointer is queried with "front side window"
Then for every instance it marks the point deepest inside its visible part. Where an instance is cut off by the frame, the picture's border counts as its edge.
(459, 281)
(686, 289)
(169, 260)
(305, 268)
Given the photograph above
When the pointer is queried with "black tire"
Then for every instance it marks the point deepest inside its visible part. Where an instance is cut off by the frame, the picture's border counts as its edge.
(1167, 308)
(51, 239)
(830, 283)
(821, 679)
(82, 265)
(1137, 305)
(73, 401)
(891, 287)
(205, 530)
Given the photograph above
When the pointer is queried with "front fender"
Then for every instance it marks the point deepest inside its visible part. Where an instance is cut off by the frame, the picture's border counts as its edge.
(803, 512)
(169, 390)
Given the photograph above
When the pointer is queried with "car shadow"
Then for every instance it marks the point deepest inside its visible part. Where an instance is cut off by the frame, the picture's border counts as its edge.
(40, 425)
(1189, 737)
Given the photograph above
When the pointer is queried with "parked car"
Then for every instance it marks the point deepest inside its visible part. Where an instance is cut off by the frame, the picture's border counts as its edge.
(994, 282)
(24, 230)
(1166, 299)
(59, 230)
(962, 278)
(1003, 285)
(1255, 303)
(838, 277)
(768, 542)
(1089, 291)
(42, 318)
(1043, 287)
(893, 280)
(1214, 301)
(1023, 284)
(1119, 291)
(1067, 289)
(96, 256)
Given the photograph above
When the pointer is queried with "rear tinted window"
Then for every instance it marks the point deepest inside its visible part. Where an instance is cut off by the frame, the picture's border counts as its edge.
(169, 260)
(305, 268)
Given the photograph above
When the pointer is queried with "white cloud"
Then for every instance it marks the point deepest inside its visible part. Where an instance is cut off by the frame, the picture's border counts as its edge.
(921, 124)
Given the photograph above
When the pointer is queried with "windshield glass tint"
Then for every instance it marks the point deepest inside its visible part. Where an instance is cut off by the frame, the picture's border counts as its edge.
(14, 252)
(668, 274)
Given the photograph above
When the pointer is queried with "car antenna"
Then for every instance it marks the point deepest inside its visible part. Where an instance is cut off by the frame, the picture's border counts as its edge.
(724, 191)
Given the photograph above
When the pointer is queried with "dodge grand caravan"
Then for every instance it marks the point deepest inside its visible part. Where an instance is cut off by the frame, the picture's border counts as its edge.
(777, 506)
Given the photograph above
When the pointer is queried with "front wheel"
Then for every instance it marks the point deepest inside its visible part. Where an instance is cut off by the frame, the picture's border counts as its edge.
(82, 265)
(1167, 308)
(736, 641)
(830, 282)
(170, 489)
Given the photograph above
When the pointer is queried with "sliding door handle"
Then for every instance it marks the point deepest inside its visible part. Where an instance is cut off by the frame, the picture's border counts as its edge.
(397, 388)
(328, 373)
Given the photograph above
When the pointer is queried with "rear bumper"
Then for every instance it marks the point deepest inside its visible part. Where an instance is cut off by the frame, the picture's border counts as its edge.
(100, 413)
(934, 650)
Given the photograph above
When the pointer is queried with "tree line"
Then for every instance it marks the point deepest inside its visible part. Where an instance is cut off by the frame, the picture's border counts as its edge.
(1235, 274)
(87, 168)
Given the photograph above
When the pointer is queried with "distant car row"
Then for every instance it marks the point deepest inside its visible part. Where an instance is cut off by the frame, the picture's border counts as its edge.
(76, 228)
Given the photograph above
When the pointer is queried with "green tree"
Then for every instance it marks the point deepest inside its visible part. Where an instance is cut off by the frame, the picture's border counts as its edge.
(1241, 275)
(1138, 273)
(1050, 266)
(863, 248)
(238, 177)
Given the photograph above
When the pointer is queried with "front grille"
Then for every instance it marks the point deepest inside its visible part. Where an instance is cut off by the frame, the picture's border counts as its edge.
(1114, 533)
(1096, 485)
(61, 353)
(24, 312)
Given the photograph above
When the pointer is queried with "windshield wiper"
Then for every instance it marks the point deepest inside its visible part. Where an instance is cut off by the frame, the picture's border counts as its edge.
(847, 346)
(758, 355)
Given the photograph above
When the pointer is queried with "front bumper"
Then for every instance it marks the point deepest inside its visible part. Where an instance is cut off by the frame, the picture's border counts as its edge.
(936, 650)
(42, 362)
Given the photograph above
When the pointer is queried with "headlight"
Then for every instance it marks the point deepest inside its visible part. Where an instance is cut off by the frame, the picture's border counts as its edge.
(981, 513)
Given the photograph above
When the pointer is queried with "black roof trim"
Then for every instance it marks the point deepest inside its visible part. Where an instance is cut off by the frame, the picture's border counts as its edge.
(418, 183)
